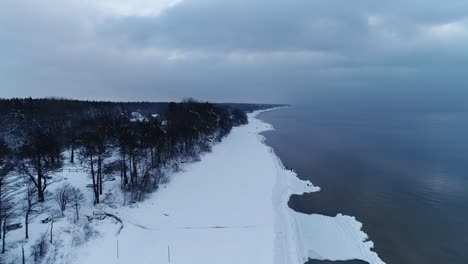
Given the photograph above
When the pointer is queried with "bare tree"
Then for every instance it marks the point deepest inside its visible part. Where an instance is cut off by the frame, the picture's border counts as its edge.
(7, 204)
(23, 258)
(5, 168)
(40, 159)
(7, 207)
(93, 153)
(77, 198)
(52, 229)
(63, 196)
(29, 207)
(88, 155)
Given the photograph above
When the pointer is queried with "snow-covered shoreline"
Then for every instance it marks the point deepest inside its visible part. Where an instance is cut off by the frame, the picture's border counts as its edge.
(231, 208)
(300, 236)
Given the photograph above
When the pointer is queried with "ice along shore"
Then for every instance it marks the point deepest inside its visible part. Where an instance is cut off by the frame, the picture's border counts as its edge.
(231, 207)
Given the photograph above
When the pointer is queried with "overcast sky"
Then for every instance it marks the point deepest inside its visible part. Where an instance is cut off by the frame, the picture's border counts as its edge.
(234, 50)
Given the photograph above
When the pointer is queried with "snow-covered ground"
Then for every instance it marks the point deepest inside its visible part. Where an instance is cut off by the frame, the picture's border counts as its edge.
(231, 207)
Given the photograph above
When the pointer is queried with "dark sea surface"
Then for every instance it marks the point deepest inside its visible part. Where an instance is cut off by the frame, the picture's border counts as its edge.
(403, 174)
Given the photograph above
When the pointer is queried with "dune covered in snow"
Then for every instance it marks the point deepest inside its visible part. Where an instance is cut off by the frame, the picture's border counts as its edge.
(230, 207)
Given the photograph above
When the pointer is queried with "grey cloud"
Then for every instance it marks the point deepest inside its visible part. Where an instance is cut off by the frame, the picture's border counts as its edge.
(243, 25)
(271, 51)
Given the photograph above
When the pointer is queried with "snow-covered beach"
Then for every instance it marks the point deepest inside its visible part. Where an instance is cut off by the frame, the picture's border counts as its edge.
(231, 207)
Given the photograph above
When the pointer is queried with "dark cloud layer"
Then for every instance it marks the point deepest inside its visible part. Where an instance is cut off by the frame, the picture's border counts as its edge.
(243, 50)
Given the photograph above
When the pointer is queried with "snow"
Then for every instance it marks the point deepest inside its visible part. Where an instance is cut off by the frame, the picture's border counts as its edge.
(218, 210)
(231, 207)
(137, 117)
(68, 233)
(301, 236)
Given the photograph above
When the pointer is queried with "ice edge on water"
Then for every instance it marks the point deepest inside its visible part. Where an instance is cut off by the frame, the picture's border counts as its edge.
(300, 236)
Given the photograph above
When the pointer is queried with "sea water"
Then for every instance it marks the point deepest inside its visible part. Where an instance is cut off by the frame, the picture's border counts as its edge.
(403, 174)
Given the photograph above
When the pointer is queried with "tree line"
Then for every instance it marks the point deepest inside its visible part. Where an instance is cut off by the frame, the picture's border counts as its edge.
(39, 136)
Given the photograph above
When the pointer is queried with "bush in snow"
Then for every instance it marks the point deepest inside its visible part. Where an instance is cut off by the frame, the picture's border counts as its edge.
(77, 198)
(40, 248)
(63, 196)
(82, 232)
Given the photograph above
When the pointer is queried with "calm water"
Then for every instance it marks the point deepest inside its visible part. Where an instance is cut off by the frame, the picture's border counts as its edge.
(403, 174)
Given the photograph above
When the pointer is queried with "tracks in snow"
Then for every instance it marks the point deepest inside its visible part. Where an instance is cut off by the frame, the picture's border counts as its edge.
(189, 227)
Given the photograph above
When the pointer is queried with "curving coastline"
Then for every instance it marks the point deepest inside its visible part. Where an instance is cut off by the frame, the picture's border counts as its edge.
(231, 207)
(300, 236)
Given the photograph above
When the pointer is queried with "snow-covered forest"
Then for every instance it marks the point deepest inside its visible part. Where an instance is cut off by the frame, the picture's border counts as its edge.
(64, 162)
